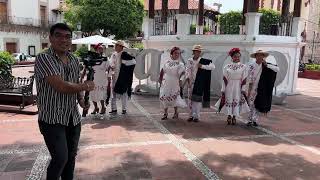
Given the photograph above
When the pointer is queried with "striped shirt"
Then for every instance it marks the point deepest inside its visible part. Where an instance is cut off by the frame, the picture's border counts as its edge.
(55, 107)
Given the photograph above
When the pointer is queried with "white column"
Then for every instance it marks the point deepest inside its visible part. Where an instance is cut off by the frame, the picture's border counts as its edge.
(199, 29)
(252, 23)
(183, 24)
(242, 29)
(147, 27)
(297, 27)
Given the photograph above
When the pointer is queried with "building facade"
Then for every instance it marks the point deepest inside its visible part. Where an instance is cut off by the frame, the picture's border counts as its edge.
(24, 24)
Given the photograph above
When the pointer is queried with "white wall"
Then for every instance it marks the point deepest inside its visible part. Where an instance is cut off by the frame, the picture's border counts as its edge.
(23, 41)
(53, 4)
(25, 8)
(284, 50)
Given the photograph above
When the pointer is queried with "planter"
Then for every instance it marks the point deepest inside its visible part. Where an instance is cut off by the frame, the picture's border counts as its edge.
(23, 63)
(309, 74)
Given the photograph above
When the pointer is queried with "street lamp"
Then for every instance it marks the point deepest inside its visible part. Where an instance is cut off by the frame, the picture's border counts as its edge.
(79, 26)
(79, 34)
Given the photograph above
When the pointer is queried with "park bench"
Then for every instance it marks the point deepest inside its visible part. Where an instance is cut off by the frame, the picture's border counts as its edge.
(16, 91)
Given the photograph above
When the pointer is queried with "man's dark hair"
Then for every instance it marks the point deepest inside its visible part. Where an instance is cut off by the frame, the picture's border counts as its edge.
(61, 26)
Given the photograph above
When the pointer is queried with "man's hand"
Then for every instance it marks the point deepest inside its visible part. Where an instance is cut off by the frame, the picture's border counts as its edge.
(83, 105)
(199, 65)
(89, 85)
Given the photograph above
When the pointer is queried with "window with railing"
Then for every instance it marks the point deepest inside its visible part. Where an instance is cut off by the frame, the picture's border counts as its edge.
(164, 28)
(43, 16)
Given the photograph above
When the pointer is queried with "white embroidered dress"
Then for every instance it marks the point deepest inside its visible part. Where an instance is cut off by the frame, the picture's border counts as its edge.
(170, 89)
(234, 81)
(101, 82)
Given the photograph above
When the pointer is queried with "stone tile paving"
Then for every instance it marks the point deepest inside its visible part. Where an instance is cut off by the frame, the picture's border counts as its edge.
(141, 146)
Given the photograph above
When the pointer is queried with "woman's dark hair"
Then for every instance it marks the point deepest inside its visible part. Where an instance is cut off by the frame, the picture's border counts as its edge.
(61, 26)
(174, 49)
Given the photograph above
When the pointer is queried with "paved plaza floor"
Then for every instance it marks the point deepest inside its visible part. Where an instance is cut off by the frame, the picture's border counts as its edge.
(286, 145)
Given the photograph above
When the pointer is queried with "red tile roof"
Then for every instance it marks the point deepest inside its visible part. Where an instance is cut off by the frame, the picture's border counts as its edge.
(174, 5)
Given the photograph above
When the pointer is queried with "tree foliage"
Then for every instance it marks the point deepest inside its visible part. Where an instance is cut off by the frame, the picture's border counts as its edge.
(122, 18)
(229, 22)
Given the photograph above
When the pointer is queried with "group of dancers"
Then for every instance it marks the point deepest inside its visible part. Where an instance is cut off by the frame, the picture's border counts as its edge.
(112, 78)
(246, 88)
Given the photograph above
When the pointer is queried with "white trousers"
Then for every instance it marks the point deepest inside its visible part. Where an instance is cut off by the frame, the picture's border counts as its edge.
(195, 109)
(124, 101)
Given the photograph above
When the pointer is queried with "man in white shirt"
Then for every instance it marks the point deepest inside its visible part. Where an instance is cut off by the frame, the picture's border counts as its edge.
(262, 76)
(198, 75)
(122, 66)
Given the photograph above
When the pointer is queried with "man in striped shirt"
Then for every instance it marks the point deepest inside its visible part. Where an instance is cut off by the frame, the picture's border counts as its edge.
(58, 91)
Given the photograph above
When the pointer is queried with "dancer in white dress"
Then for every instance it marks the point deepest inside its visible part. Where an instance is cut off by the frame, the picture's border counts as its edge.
(233, 101)
(170, 80)
(101, 80)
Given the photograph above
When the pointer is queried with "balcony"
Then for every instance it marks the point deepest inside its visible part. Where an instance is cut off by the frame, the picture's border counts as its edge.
(12, 21)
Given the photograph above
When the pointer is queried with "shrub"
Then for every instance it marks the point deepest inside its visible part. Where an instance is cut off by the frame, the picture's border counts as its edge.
(81, 52)
(137, 45)
(193, 28)
(313, 67)
(6, 62)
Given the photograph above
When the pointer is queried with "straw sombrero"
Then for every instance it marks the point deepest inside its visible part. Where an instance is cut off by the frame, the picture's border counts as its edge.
(265, 54)
(120, 43)
(197, 48)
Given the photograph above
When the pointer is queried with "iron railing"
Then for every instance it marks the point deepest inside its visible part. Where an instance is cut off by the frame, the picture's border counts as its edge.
(280, 27)
(25, 21)
(167, 28)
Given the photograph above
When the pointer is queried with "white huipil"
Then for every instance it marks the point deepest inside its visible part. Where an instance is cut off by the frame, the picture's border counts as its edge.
(100, 81)
(254, 73)
(170, 88)
(233, 84)
(191, 73)
(115, 63)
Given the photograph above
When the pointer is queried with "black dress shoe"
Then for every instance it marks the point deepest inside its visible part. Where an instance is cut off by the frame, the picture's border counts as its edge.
(113, 112)
(249, 123)
(195, 120)
(255, 124)
(190, 119)
(124, 111)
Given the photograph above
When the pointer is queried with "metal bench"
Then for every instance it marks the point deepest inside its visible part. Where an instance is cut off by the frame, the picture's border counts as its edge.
(17, 86)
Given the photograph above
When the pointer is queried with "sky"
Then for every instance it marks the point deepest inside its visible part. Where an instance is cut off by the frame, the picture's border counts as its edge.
(227, 5)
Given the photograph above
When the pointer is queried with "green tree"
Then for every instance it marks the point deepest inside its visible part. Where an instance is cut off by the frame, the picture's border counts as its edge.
(122, 18)
(229, 22)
